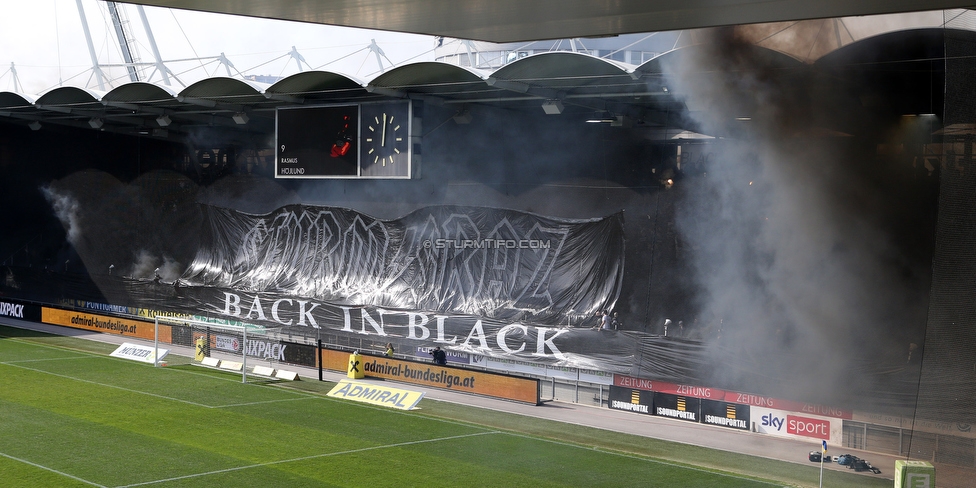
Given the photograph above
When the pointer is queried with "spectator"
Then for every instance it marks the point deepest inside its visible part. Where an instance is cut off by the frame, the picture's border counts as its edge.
(667, 323)
(440, 357)
(616, 322)
(389, 350)
(605, 320)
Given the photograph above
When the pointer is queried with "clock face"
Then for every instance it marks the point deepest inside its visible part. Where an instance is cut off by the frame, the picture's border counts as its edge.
(385, 139)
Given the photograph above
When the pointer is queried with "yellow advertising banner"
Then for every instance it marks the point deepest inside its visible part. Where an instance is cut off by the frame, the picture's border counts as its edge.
(102, 323)
(383, 396)
(477, 382)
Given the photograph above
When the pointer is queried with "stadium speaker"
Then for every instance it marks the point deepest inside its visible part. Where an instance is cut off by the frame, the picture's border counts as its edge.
(552, 107)
(462, 117)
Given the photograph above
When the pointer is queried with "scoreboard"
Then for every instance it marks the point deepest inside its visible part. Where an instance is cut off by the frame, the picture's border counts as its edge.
(367, 140)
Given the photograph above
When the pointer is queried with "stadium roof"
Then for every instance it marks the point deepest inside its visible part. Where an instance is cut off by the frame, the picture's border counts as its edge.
(517, 20)
(582, 82)
(241, 111)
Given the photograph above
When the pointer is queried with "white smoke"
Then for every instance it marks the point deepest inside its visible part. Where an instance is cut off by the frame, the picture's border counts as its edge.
(790, 266)
(66, 208)
(146, 265)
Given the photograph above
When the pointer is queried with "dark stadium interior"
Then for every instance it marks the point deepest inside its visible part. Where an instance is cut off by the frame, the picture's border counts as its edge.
(797, 246)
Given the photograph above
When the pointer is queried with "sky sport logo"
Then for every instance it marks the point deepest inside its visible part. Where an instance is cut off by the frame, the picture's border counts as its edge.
(487, 244)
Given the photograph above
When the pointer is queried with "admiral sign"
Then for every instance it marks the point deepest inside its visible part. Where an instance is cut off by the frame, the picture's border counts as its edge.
(381, 395)
(427, 374)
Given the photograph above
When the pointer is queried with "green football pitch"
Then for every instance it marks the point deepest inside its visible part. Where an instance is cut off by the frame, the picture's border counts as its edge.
(70, 415)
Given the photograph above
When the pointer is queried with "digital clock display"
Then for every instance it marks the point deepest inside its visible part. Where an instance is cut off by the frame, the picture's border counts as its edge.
(369, 140)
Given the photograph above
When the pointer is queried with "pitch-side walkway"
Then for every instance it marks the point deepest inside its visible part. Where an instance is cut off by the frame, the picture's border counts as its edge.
(749, 443)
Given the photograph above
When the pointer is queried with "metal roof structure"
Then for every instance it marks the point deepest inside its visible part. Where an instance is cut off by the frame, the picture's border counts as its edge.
(516, 20)
(582, 82)
(239, 111)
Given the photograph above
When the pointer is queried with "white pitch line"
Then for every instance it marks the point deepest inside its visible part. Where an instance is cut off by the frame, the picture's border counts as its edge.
(108, 386)
(641, 458)
(48, 346)
(45, 468)
(8, 363)
(18, 361)
(263, 402)
(305, 458)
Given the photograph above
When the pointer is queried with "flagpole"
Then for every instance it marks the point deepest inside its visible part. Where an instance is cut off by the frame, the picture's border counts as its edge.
(821, 471)
(823, 453)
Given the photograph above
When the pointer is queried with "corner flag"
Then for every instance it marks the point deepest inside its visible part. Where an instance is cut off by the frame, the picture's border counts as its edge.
(824, 446)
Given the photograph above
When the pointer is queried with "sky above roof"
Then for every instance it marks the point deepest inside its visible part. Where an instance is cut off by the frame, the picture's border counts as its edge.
(44, 44)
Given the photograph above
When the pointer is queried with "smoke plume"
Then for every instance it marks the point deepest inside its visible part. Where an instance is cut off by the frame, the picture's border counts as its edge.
(794, 273)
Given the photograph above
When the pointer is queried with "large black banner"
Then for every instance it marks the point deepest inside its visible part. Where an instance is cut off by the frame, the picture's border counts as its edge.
(487, 281)
(580, 347)
(493, 263)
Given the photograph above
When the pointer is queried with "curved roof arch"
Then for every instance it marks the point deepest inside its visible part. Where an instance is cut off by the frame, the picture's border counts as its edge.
(315, 82)
(240, 91)
(427, 72)
(433, 78)
(16, 100)
(769, 57)
(69, 95)
(140, 91)
(588, 82)
(559, 65)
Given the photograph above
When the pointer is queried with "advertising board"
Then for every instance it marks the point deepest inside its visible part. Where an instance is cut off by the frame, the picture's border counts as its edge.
(725, 414)
(631, 400)
(427, 374)
(677, 406)
(796, 425)
(102, 323)
(19, 310)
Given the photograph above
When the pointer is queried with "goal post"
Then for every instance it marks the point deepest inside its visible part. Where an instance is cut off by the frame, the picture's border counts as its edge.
(219, 345)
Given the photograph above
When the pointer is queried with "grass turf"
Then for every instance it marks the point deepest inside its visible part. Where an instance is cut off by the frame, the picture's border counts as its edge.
(72, 416)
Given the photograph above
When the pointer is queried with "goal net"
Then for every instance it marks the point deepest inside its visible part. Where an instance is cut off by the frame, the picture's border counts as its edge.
(245, 349)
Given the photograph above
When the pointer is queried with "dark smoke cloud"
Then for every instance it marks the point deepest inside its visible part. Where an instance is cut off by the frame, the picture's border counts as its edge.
(151, 222)
(798, 290)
